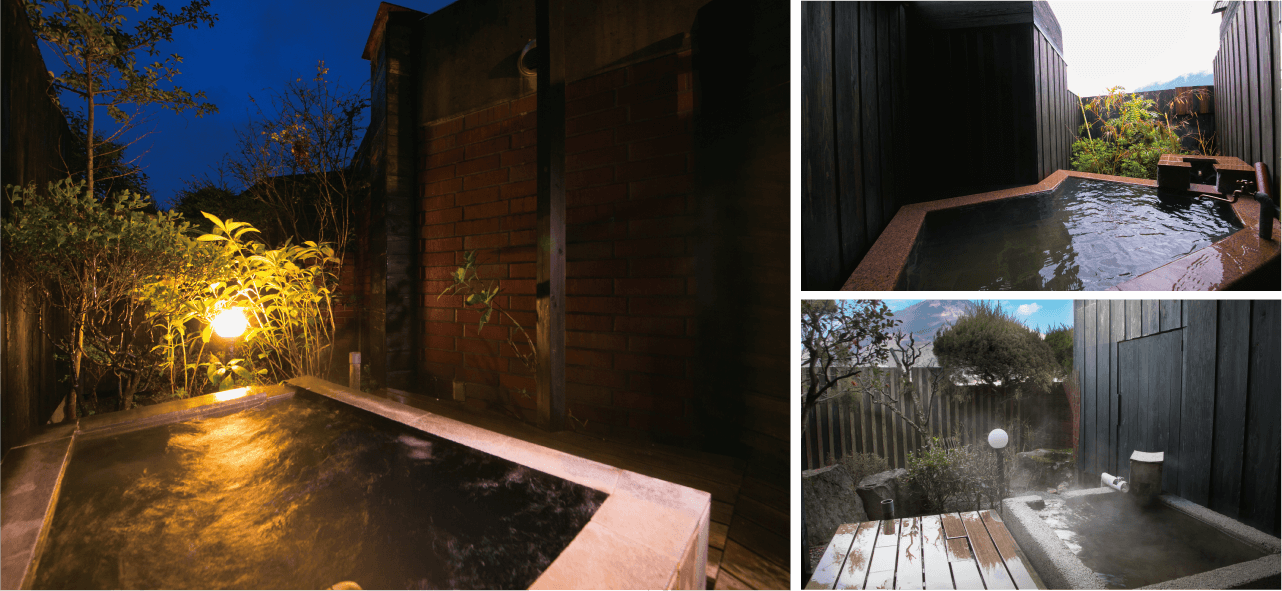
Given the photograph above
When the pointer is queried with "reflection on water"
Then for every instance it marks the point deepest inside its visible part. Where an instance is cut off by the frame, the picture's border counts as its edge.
(1084, 235)
(303, 494)
(1129, 547)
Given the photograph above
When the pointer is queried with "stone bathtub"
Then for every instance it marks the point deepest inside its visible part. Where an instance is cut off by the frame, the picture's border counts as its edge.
(642, 532)
(1191, 547)
(1236, 256)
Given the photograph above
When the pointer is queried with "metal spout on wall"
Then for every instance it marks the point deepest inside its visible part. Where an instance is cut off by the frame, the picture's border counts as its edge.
(1146, 476)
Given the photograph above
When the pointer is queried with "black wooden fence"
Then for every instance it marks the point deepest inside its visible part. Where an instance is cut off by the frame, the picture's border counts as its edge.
(1196, 379)
(852, 423)
(1246, 83)
(854, 137)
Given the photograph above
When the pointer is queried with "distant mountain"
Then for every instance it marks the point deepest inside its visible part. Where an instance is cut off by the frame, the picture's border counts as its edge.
(924, 318)
(1194, 79)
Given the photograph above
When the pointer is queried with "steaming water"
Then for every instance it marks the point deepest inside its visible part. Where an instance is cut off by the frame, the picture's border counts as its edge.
(303, 494)
(1084, 235)
(1130, 547)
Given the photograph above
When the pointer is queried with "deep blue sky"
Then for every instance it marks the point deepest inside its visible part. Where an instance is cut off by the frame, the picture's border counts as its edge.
(254, 45)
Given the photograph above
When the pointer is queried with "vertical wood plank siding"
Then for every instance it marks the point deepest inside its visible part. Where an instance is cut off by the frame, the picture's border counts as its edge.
(870, 68)
(854, 133)
(1197, 379)
(1246, 84)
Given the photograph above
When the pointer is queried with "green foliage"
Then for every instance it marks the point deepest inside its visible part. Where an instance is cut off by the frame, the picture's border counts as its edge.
(94, 259)
(286, 294)
(953, 478)
(995, 347)
(480, 295)
(1060, 340)
(1133, 140)
(221, 201)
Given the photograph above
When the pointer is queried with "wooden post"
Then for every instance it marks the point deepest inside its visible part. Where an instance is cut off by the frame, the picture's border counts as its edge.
(354, 370)
(550, 212)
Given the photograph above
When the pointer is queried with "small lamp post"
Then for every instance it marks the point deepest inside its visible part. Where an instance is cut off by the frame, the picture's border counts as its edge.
(998, 439)
(230, 323)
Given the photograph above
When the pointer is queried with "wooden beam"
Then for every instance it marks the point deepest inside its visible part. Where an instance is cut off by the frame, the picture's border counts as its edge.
(550, 212)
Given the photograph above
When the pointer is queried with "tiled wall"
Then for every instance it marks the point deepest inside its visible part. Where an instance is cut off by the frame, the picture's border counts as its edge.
(630, 223)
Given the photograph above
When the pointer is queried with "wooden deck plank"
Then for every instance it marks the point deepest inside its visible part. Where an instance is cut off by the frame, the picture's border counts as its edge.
(752, 569)
(959, 550)
(881, 580)
(991, 565)
(966, 575)
(714, 566)
(829, 567)
(722, 511)
(766, 543)
(1008, 549)
(908, 572)
(953, 525)
(854, 568)
(729, 581)
(717, 534)
(889, 533)
(935, 554)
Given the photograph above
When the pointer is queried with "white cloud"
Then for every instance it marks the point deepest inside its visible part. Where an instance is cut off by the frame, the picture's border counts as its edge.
(1027, 310)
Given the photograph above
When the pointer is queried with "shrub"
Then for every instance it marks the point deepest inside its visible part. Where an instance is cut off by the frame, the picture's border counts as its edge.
(285, 293)
(862, 465)
(954, 478)
(1133, 138)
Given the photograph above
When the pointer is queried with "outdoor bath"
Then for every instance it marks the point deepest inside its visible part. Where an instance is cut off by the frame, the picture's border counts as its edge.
(1098, 538)
(310, 484)
(1072, 231)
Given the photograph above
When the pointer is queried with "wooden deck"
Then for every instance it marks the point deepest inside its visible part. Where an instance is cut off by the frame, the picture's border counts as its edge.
(748, 545)
(970, 550)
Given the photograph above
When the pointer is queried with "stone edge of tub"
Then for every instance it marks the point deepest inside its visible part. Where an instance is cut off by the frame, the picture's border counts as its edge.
(1055, 564)
(1061, 569)
(30, 478)
(175, 411)
(628, 543)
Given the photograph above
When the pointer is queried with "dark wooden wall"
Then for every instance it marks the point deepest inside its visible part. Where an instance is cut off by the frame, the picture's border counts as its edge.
(997, 68)
(1196, 379)
(854, 132)
(34, 134)
(1055, 107)
(1246, 83)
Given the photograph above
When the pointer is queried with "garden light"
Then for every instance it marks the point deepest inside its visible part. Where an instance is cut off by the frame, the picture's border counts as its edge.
(230, 323)
(998, 438)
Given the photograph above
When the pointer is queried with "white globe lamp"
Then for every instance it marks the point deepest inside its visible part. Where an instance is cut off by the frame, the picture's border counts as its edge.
(997, 438)
(230, 323)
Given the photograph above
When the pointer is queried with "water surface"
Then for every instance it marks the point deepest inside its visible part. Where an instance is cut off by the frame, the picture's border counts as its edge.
(1084, 235)
(1130, 547)
(298, 494)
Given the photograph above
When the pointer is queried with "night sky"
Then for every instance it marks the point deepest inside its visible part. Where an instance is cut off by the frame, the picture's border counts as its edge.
(254, 45)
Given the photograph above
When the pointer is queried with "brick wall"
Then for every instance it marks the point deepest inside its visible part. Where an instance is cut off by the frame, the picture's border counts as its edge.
(631, 232)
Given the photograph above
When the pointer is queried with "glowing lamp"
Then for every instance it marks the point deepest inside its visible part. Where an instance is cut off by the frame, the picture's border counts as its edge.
(997, 438)
(230, 323)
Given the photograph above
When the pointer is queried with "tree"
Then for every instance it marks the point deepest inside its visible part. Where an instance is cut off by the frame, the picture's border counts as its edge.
(203, 196)
(918, 399)
(100, 61)
(295, 158)
(994, 347)
(91, 258)
(113, 172)
(839, 339)
(1060, 340)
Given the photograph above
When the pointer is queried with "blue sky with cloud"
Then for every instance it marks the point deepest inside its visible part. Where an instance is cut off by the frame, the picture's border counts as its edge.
(1041, 315)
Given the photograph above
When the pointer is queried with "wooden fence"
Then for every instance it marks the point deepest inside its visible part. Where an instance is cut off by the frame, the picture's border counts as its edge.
(851, 423)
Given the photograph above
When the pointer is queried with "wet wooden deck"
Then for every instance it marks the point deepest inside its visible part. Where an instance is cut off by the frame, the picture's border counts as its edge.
(970, 550)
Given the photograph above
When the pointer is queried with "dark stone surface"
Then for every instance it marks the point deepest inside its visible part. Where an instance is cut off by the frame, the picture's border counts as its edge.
(830, 502)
